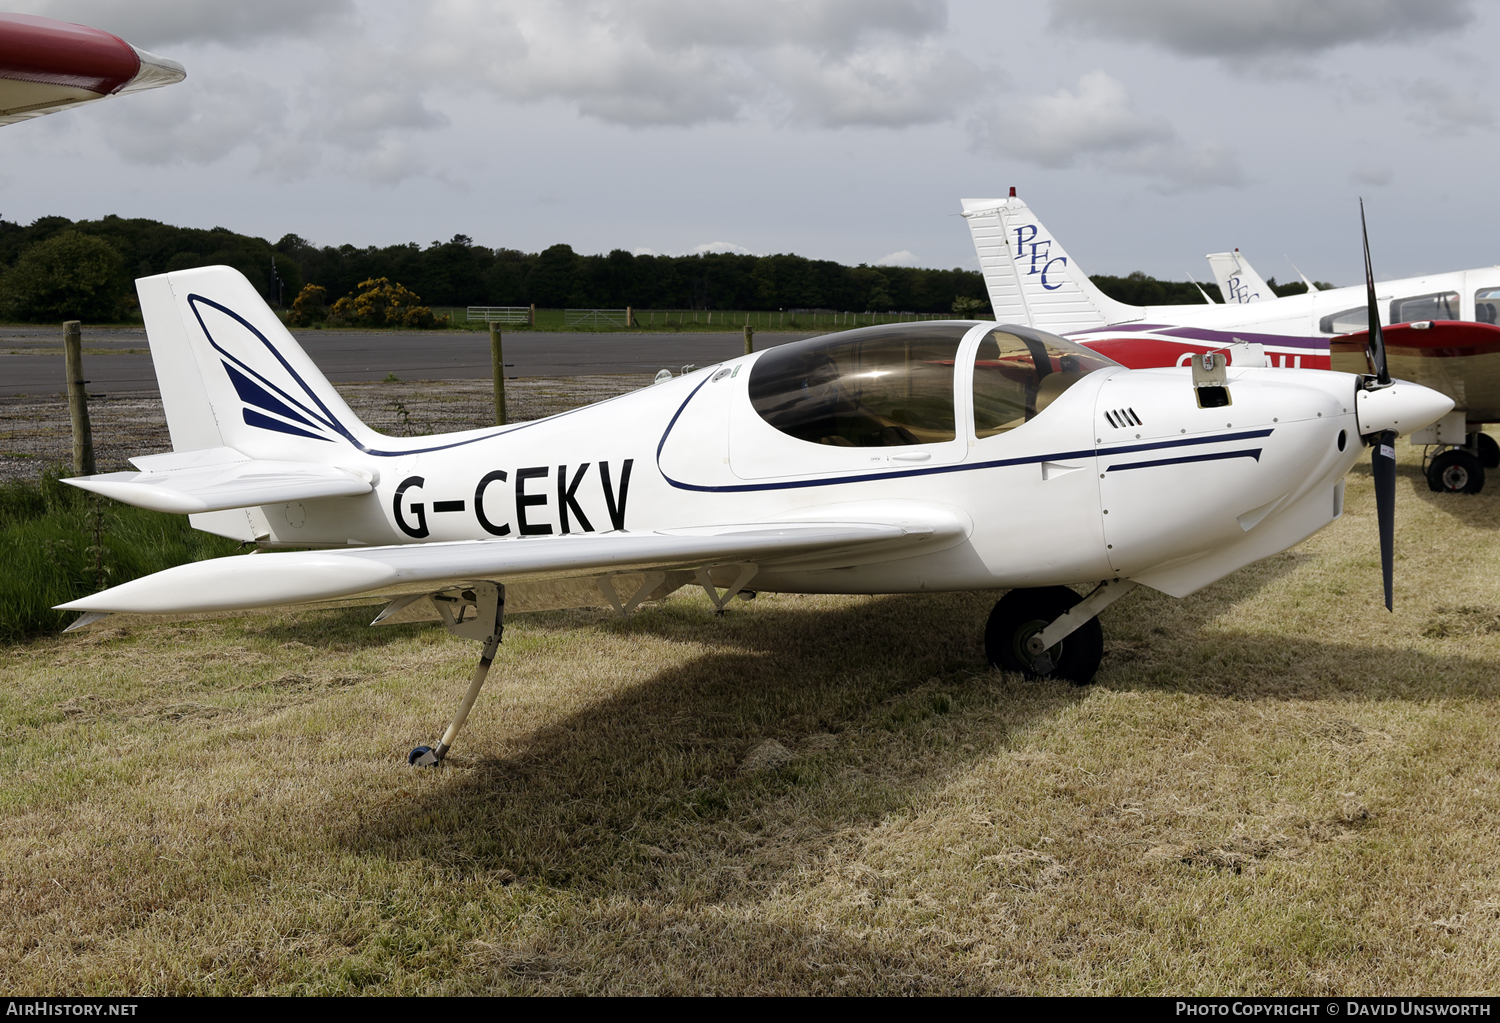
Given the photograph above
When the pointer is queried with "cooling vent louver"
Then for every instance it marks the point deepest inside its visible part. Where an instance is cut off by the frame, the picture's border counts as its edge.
(1121, 418)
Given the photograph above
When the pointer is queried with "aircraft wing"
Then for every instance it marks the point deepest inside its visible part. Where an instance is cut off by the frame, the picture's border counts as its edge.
(1456, 357)
(48, 65)
(218, 479)
(301, 577)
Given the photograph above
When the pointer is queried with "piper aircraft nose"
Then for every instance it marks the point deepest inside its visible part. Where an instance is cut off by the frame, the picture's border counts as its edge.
(1401, 408)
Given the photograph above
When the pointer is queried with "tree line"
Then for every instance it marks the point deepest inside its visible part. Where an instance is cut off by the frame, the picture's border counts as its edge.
(56, 268)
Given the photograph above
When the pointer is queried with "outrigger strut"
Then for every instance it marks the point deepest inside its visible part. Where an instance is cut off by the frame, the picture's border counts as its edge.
(1103, 595)
(486, 624)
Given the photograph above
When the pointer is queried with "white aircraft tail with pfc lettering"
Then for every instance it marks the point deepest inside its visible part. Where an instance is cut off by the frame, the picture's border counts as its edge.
(1030, 277)
(1237, 279)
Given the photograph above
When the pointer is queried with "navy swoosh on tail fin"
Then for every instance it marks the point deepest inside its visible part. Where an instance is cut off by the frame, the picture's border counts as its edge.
(263, 388)
(252, 393)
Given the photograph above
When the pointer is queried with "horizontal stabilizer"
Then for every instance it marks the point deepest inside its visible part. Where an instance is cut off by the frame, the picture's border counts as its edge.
(217, 479)
(298, 577)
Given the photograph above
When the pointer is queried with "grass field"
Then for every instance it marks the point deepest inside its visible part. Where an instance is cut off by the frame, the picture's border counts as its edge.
(701, 320)
(1275, 787)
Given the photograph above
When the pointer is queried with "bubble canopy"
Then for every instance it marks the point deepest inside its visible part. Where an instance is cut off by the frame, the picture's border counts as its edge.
(893, 385)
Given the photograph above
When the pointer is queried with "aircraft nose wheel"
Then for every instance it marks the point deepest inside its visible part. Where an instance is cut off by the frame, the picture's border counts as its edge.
(1021, 615)
(422, 756)
(1455, 471)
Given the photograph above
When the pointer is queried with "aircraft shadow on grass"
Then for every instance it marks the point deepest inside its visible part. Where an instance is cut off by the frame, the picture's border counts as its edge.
(657, 766)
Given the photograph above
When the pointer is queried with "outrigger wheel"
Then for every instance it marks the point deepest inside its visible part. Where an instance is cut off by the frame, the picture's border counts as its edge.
(1022, 614)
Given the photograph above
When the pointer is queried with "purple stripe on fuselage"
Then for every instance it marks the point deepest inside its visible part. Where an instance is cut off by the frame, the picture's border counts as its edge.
(1118, 327)
(1228, 337)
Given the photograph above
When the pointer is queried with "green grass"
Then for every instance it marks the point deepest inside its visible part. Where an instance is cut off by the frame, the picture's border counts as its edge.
(1275, 787)
(58, 543)
(702, 321)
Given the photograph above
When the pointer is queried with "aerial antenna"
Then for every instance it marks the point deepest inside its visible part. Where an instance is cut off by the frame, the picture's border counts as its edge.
(1200, 289)
(1311, 287)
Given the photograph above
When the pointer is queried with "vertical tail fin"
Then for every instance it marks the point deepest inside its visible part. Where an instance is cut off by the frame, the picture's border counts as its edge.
(1031, 279)
(1238, 281)
(232, 376)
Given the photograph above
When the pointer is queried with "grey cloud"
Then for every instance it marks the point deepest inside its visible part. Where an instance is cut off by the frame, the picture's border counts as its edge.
(1444, 111)
(1260, 28)
(1054, 131)
(827, 25)
(682, 62)
(1377, 176)
(199, 125)
(155, 23)
(887, 85)
(1097, 124)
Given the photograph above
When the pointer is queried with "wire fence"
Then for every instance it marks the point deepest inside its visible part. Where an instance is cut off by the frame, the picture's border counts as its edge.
(636, 318)
(597, 318)
(498, 314)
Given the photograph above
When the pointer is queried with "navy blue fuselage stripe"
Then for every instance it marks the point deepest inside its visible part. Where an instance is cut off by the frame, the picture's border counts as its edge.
(1213, 457)
(254, 418)
(252, 393)
(332, 421)
(741, 488)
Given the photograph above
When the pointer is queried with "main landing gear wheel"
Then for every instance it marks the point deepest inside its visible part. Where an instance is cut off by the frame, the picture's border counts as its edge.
(1489, 451)
(1021, 614)
(1455, 471)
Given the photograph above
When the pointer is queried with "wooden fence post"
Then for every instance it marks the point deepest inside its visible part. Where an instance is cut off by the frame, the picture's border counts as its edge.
(749, 339)
(629, 317)
(78, 399)
(531, 318)
(497, 357)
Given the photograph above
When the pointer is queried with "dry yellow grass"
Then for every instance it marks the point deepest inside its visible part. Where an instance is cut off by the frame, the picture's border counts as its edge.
(1275, 787)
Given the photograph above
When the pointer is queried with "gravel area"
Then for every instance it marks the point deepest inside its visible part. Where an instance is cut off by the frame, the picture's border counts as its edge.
(35, 431)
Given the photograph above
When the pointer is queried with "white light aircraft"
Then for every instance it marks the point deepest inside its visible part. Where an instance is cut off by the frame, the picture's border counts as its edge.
(894, 459)
(1441, 329)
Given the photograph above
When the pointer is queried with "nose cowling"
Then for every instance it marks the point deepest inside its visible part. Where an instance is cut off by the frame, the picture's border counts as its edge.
(1401, 408)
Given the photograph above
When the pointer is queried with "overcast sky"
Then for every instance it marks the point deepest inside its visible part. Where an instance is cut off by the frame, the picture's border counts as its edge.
(1145, 133)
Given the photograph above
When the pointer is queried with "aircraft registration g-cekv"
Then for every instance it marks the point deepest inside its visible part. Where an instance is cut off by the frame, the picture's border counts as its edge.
(901, 458)
(1440, 330)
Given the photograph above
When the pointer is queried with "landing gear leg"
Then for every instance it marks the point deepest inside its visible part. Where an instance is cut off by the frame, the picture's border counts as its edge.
(1051, 631)
(486, 624)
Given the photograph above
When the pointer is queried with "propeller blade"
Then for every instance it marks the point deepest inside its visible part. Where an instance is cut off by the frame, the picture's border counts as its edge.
(1377, 339)
(1383, 468)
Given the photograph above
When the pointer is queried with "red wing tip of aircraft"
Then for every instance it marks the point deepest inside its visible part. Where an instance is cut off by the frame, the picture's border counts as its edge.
(50, 52)
(1427, 337)
(48, 65)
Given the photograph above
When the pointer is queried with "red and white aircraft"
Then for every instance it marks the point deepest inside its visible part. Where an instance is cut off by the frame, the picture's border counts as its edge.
(1441, 330)
(47, 66)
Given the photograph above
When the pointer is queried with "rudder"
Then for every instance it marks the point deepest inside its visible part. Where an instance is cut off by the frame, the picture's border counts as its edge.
(1030, 278)
(231, 375)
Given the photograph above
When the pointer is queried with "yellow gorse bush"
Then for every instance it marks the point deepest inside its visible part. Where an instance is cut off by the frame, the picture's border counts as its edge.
(379, 302)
